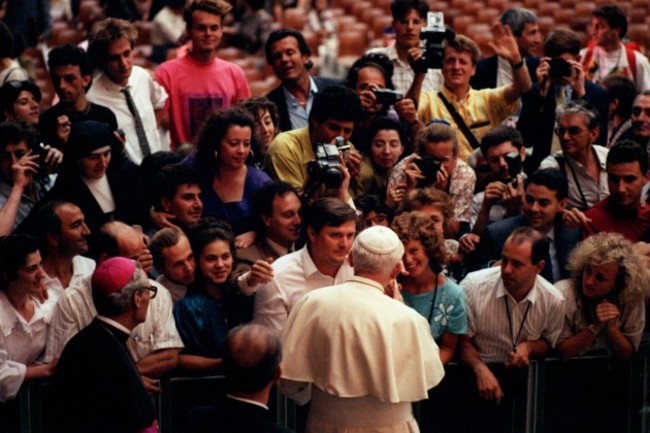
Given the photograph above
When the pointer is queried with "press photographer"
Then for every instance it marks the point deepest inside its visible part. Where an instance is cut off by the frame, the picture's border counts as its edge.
(333, 114)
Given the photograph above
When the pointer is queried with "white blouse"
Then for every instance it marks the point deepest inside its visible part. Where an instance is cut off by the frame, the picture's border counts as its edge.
(21, 343)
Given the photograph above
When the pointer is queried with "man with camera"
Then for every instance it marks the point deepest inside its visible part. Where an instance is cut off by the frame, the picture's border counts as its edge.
(544, 203)
(471, 112)
(560, 79)
(504, 152)
(331, 120)
(582, 161)
(409, 18)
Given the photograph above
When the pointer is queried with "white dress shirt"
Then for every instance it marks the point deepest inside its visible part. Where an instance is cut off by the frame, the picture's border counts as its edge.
(295, 275)
(148, 97)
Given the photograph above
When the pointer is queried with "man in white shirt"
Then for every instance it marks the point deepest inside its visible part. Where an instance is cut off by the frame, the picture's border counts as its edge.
(322, 262)
(63, 236)
(409, 18)
(154, 344)
(606, 53)
(130, 92)
(513, 315)
(581, 160)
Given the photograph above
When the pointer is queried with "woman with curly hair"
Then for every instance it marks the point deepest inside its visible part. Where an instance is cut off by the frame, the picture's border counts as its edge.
(605, 297)
(426, 289)
(227, 177)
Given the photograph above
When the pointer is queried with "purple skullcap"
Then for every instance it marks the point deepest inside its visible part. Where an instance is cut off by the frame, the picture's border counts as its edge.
(112, 275)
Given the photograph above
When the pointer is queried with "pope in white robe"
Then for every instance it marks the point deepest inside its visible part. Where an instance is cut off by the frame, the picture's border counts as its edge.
(364, 355)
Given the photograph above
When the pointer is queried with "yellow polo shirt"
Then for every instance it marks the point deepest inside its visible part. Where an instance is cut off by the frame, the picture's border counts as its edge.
(288, 156)
(481, 110)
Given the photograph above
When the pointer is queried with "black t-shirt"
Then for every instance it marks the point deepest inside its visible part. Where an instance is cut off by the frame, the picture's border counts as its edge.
(48, 121)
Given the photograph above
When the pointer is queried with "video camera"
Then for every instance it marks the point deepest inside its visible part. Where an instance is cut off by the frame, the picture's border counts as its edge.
(325, 168)
(433, 35)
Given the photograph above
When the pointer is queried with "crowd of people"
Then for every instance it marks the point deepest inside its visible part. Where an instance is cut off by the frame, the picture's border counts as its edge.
(347, 240)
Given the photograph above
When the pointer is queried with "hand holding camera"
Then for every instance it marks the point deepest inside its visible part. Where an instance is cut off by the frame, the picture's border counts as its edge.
(562, 72)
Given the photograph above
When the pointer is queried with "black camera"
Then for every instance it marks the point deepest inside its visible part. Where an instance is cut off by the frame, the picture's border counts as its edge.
(387, 97)
(560, 68)
(433, 35)
(429, 166)
(513, 159)
(326, 168)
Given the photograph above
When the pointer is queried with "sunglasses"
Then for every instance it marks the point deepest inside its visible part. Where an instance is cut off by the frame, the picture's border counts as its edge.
(572, 130)
(636, 111)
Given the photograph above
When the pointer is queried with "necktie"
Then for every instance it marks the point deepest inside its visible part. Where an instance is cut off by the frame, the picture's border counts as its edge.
(139, 127)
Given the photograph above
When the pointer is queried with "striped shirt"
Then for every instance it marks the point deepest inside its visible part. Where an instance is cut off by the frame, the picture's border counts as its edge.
(488, 316)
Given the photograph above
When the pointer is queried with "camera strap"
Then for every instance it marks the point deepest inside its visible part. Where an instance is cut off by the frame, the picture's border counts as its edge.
(460, 122)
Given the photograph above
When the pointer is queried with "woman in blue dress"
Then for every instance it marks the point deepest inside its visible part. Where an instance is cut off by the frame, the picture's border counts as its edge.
(227, 176)
(426, 289)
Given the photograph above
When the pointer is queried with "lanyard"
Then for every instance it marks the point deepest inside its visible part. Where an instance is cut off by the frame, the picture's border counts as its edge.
(433, 301)
(521, 325)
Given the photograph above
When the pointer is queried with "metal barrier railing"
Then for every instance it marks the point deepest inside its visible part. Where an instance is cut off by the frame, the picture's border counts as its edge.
(546, 381)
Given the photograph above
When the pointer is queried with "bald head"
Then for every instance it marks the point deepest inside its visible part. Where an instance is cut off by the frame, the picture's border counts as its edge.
(253, 355)
(120, 239)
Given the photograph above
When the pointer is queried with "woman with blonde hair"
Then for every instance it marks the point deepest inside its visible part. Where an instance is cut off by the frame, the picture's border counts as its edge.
(605, 298)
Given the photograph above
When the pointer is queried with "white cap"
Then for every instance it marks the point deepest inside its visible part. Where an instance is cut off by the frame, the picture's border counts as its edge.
(379, 240)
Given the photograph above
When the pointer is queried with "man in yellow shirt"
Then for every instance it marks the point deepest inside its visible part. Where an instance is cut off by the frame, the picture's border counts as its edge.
(482, 109)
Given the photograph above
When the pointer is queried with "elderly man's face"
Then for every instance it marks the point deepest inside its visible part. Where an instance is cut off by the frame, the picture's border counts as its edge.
(575, 135)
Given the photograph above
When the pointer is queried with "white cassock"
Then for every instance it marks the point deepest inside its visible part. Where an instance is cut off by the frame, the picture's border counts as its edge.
(367, 355)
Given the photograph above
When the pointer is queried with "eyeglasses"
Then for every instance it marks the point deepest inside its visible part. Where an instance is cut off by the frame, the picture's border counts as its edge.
(152, 289)
(636, 111)
(572, 130)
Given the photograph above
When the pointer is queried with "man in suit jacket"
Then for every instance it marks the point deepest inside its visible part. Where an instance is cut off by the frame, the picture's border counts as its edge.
(494, 72)
(277, 216)
(288, 54)
(252, 366)
(544, 202)
(553, 87)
